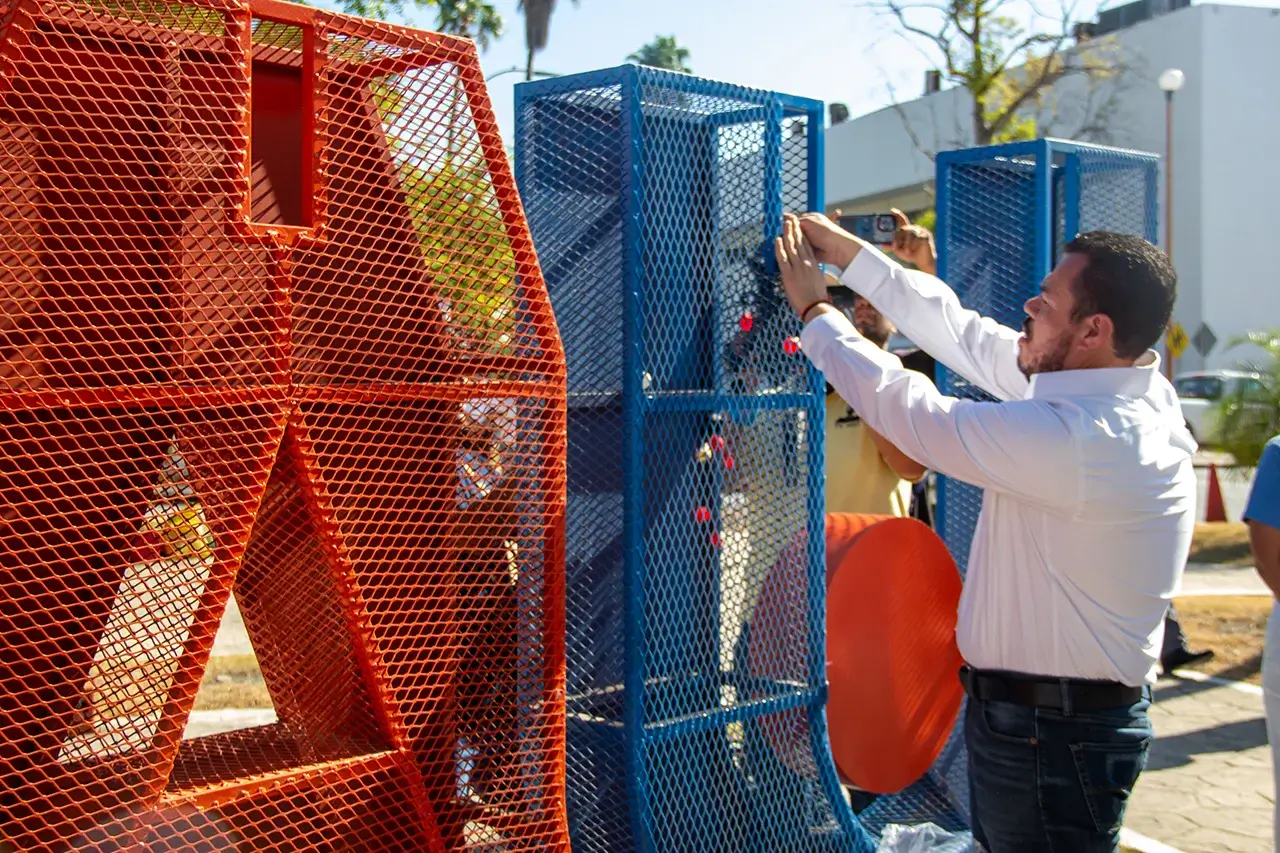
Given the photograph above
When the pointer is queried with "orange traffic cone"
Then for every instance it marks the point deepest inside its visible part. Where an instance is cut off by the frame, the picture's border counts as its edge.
(1215, 509)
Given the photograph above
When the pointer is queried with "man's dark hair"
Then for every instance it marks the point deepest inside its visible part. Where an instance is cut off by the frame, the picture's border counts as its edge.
(1128, 280)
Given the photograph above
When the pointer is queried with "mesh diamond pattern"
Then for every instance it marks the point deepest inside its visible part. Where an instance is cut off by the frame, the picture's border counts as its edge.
(271, 327)
(695, 459)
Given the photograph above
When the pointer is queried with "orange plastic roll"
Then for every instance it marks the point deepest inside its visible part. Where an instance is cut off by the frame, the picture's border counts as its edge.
(894, 695)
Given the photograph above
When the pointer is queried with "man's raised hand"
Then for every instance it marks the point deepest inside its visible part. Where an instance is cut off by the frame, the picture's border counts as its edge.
(831, 243)
(802, 278)
(913, 244)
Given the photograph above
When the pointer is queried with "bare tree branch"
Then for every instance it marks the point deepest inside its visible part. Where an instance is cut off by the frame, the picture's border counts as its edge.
(1010, 69)
(1020, 51)
(939, 39)
(906, 124)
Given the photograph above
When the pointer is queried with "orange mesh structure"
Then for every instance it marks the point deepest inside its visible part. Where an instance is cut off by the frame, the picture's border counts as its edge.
(271, 327)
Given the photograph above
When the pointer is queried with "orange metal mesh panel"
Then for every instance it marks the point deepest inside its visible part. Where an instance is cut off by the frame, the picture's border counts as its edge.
(271, 327)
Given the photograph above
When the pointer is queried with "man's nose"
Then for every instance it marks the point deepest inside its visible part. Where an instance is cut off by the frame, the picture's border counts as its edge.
(1032, 306)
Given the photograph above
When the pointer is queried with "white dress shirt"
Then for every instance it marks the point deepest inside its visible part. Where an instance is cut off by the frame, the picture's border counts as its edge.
(1089, 494)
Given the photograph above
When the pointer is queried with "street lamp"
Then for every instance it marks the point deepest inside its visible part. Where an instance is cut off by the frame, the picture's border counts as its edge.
(517, 69)
(1170, 81)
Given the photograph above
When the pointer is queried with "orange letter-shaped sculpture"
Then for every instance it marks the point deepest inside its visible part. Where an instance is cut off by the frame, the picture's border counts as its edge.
(271, 325)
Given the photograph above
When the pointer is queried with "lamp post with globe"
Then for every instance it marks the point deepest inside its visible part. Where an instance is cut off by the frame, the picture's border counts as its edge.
(1170, 81)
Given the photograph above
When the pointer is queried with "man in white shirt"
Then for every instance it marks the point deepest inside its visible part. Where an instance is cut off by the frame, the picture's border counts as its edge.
(1087, 510)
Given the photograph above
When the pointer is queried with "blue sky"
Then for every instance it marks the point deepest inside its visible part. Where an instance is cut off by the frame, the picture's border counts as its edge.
(826, 49)
(832, 50)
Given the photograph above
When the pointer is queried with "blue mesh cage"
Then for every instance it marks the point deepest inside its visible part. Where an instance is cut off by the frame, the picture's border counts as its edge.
(695, 462)
(1004, 215)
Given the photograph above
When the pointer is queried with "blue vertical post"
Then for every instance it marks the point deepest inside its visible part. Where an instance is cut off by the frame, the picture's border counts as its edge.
(815, 604)
(1152, 233)
(1071, 206)
(1042, 212)
(633, 459)
(942, 225)
(816, 461)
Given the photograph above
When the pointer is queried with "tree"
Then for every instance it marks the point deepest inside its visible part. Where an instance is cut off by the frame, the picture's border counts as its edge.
(455, 211)
(1250, 417)
(472, 19)
(1009, 71)
(537, 27)
(663, 52)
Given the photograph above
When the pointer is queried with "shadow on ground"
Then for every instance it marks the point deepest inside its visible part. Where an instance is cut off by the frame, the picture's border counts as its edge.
(1186, 687)
(1178, 750)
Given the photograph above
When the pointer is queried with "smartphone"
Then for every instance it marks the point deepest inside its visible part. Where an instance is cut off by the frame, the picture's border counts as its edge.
(877, 228)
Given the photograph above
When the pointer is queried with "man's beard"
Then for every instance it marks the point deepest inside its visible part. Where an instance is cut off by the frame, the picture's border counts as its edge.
(873, 332)
(1054, 360)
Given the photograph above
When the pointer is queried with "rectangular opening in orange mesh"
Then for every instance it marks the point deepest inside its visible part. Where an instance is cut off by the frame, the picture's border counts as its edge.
(281, 167)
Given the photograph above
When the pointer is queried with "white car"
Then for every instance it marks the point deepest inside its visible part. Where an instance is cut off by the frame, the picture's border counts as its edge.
(1200, 393)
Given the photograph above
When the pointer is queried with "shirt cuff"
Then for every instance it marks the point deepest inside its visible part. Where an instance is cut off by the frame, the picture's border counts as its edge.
(823, 330)
(868, 271)
(827, 329)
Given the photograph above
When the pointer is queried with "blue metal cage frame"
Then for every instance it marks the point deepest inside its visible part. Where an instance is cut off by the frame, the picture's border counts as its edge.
(1005, 212)
(652, 198)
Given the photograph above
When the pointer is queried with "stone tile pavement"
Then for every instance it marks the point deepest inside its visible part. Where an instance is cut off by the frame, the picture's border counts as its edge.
(1208, 786)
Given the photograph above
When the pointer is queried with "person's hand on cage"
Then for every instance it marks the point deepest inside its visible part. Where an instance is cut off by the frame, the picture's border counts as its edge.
(803, 280)
(830, 243)
(913, 244)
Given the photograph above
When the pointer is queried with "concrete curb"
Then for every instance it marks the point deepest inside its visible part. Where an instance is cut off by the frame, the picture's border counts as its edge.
(1221, 593)
(1204, 678)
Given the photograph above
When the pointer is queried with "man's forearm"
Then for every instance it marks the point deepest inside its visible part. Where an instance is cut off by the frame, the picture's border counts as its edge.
(900, 463)
(928, 312)
(1269, 571)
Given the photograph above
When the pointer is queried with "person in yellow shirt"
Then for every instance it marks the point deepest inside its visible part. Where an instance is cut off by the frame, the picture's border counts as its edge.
(865, 473)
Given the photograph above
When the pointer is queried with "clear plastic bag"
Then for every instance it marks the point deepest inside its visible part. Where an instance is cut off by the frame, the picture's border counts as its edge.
(924, 838)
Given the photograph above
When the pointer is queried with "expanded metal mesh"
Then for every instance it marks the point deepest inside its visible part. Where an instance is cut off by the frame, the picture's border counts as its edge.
(271, 327)
(695, 461)
(1004, 215)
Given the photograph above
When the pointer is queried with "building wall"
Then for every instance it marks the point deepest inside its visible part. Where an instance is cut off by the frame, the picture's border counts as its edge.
(874, 158)
(1240, 183)
(1225, 178)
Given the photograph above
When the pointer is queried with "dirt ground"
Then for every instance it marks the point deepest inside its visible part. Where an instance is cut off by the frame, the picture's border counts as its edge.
(1235, 627)
(232, 681)
(1226, 543)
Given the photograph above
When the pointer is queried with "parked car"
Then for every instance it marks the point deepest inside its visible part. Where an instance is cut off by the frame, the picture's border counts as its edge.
(1200, 392)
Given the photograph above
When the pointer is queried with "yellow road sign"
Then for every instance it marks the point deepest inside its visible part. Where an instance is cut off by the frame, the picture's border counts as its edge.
(1176, 340)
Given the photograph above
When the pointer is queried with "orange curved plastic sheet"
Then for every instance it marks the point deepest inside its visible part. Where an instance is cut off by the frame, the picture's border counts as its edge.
(892, 662)
(271, 329)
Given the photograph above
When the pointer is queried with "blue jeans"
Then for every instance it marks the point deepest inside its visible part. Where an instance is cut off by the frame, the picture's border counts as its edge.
(1047, 781)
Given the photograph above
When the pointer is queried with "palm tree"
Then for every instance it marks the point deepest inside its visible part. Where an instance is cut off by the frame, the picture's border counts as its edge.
(472, 19)
(663, 52)
(537, 26)
(1250, 416)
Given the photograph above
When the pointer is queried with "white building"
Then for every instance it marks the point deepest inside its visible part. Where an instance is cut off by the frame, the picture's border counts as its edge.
(1226, 158)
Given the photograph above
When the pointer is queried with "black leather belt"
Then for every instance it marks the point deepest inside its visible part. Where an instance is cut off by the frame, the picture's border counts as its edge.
(1061, 694)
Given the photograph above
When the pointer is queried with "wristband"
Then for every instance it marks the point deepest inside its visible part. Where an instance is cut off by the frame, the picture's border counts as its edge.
(826, 300)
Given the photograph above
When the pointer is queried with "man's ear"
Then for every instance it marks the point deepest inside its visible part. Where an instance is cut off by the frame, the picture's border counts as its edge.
(1098, 332)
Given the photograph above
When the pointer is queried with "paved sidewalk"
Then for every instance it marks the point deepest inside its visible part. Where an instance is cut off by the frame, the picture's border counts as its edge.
(1208, 786)
(1211, 579)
